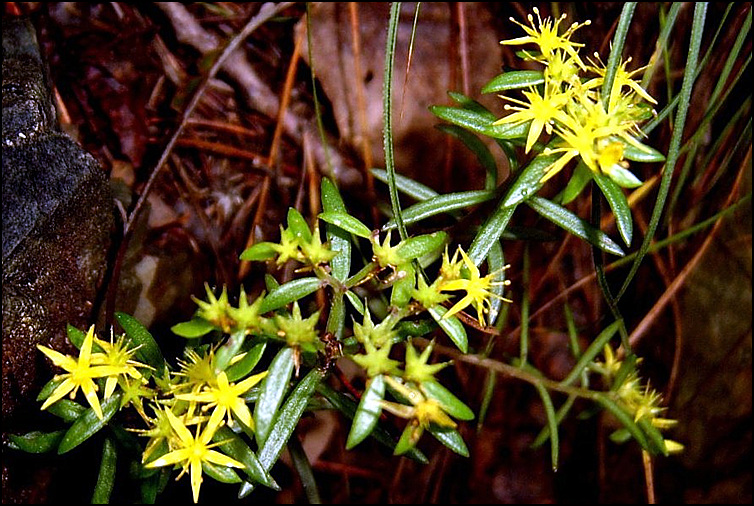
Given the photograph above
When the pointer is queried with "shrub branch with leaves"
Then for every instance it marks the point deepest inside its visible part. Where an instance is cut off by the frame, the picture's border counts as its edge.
(251, 368)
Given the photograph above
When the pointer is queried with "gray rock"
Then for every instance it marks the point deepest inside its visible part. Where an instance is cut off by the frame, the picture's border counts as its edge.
(57, 222)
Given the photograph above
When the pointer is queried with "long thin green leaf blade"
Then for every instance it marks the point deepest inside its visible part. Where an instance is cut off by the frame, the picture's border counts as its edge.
(440, 204)
(339, 239)
(514, 80)
(273, 390)
(552, 424)
(106, 478)
(618, 203)
(452, 327)
(89, 424)
(571, 223)
(148, 349)
(289, 292)
(368, 413)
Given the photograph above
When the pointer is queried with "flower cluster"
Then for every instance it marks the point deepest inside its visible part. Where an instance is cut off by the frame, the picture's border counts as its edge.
(640, 400)
(113, 363)
(570, 105)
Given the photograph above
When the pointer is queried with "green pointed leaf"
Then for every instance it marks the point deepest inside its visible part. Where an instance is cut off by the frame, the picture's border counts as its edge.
(243, 367)
(417, 247)
(259, 252)
(571, 223)
(106, 478)
(645, 154)
(552, 423)
(496, 264)
(288, 418)
(403, 287)
(298, 225)
(451, 438)
(404, 443)
(514, 80)
(235, 447)
(618, 203)
(289, 292)
(580, 178)
(407, 185)
(148, 351)
(346, 222)
(450, 403)
(273, 389)
(89, 424)
(66, 409)
(440, 204)
(624, 177)
(452, 327)
(223, 474)
(339, 239)
(368, 413)
(76, 336)
(230, 349)
(195, 327)
(479, 123)
(355, 302)
(490, 233)
(36, 441)
(348, 407)
(529, 179)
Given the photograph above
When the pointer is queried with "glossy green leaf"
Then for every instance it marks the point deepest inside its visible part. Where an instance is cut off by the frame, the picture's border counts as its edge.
(407, 185)
(450, 403)
(289, 292)
(235, 447)
(36, 441)
(106, 478)
(286, 421)
(618, 203)
(451, 438)
(348, 407)
(440, 204)
(529, 179)
(298, 225)
(421, 245)
(452, 327)
(552, 424)
(259, 252)
(490, 233)
(580, 178)
(405, 443)
(89, 424)
(644, 154)
(368, 413)
(514, 80)
(223, 474)
(228, 350)
(76, 336)
(242, 368)
(147, 349)
(66, 409)
(195, 327)
(339, 239)
(400, 295)
(571, 223)
(346, 222)
(479, 123)
(273, 390)
(355, 302)
(624, 177)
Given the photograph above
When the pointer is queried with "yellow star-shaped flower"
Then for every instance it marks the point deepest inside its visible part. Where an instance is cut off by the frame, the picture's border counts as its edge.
(80, 374)
(192, 451)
